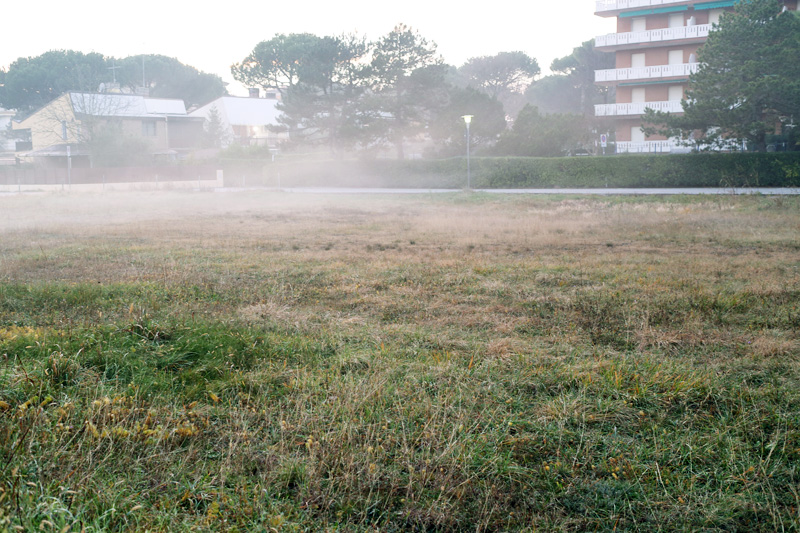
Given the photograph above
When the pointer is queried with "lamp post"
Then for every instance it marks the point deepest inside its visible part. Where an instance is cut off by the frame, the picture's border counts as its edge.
(467, 121)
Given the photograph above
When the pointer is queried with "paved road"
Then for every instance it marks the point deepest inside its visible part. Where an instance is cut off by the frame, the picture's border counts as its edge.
(774, 191)
(600, 192)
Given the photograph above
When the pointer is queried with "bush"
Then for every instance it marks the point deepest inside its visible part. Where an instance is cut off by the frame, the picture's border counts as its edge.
(655, 171)
(652, 171)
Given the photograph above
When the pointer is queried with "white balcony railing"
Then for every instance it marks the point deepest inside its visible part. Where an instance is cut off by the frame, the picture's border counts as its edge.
(653, 36)
(616, 110)
(614, 5)
(645, 73)
(650, 147)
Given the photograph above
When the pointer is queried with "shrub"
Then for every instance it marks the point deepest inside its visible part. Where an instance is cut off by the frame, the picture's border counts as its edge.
(652, 171)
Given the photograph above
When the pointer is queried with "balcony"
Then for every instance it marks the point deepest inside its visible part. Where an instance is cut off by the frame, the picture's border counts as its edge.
(618, 5)
(632, 109)
(645, 73)
(651, 147)
(653, 36)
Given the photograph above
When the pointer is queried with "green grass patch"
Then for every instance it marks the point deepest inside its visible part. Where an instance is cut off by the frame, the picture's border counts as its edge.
(524, 365)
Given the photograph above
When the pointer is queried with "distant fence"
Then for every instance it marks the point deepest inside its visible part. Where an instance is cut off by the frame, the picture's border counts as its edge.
(11, 177)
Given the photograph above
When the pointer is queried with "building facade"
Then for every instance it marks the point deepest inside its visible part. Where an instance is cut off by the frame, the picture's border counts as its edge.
(656, 46)
(69, 122)
(245, 121)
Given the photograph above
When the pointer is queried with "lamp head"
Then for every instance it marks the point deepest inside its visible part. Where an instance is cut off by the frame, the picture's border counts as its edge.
(467, 119)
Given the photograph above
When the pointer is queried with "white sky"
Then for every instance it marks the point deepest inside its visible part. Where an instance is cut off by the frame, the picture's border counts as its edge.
(212, 38)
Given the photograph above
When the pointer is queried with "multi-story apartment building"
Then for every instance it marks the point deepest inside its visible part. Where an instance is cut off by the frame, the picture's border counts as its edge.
(656, 46)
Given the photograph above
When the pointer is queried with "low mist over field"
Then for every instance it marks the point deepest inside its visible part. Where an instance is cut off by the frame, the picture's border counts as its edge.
(250, 361)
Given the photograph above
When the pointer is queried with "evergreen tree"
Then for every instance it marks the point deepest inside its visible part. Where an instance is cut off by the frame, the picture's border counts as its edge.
(504, 76)
(32, 82)
(321, 80)
(538, 135)
(214, 129)
(277, 64)
(748, 83)
(408, 86)
(448, 130)
(579, 68)
(166, 77)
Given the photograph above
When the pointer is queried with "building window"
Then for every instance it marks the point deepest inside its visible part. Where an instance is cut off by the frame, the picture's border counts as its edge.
(675, 93)
(148, 128)
(64, 130)
(676, 20)
(714, 15)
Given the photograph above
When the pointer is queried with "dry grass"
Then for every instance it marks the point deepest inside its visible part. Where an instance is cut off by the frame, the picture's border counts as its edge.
(256, 361)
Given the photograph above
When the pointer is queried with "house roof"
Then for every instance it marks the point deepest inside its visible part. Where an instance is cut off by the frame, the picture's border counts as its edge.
(125, 105)
(240, 111)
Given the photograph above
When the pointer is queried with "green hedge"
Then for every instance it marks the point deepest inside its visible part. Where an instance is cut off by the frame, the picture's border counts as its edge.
(685, 170)
(655, 171)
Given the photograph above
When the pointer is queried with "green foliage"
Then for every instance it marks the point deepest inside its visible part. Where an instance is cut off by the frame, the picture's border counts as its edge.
(214, 130)
(166, 77)
(501, 73)
(587, 365)
(324, 107)
(333, 98)
(748, 81)
(32, 82)
(110, 146)
(556, 93)
(689, 170)
(656, 171)
(504, 76)
(537, 135)
(278, 63)
(408, 86)
(321, 80)
(447, 129)
(571, 89)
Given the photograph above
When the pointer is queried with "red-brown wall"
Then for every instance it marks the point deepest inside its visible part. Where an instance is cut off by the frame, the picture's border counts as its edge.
(655, 56)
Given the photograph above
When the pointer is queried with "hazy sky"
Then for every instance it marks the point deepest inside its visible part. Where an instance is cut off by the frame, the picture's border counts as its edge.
(214, 37)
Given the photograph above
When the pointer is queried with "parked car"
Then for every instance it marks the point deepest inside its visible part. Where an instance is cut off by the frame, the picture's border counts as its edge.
(579, 152)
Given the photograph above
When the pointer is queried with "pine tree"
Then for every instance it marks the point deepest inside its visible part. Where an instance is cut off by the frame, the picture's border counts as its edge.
(748, 82)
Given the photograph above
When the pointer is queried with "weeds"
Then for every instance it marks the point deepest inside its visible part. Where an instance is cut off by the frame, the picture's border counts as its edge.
(505, 370)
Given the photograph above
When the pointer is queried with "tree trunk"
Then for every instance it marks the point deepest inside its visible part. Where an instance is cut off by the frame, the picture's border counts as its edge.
(761, 141)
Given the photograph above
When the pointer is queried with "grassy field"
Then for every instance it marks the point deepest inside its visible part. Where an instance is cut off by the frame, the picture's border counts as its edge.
(274, 362)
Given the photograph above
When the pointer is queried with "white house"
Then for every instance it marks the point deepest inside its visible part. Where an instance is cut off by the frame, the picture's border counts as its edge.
(70, 119)
(245, 121)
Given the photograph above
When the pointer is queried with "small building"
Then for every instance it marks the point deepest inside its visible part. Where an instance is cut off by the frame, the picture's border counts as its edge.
(245, 121)
(75, 119)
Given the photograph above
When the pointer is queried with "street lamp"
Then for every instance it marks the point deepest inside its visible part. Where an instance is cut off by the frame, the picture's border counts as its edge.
(467, 120)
